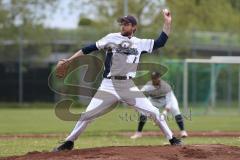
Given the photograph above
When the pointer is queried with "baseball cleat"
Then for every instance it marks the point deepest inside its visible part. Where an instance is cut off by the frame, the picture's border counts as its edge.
(183, 134)
(136, 135)
(175, 142)
(67, 145)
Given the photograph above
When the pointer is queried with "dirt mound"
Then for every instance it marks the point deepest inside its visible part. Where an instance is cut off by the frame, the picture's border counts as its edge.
(188, 152)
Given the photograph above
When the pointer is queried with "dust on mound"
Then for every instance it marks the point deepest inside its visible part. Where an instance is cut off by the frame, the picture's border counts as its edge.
(188, 152)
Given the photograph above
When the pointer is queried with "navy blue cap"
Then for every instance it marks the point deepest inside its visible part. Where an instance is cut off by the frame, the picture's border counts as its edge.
(155, 75)
(129, 19)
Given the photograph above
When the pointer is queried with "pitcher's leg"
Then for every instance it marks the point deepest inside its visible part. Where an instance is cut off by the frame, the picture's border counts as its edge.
(102, 102)
(138, 100)
(99, 105)
(145, 106)
(78, 129)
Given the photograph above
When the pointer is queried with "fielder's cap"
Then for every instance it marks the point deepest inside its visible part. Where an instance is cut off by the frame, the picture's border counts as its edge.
(155, 74)
(129, 19)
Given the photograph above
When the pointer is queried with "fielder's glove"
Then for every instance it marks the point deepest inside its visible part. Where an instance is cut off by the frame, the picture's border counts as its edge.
(62, 68)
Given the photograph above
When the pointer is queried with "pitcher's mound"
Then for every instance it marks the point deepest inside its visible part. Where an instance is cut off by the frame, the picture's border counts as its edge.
(188, 152)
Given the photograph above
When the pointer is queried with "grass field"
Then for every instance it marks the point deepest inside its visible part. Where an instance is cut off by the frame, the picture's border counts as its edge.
(41, 119)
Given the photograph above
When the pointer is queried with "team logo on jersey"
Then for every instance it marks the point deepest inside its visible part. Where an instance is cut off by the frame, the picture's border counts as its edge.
(125, 48)
(126, 44)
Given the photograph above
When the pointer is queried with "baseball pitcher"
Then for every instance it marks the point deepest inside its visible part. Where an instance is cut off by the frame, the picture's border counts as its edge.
(123, 51)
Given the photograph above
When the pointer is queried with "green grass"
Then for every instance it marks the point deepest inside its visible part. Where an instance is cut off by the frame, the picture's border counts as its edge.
(102, 131)
(25, 120)
(22, 146)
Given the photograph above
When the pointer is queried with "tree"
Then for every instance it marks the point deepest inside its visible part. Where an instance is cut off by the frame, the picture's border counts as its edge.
(235, 4)
(24, 17)
(188, 16)
(106, 12)
(211, 15)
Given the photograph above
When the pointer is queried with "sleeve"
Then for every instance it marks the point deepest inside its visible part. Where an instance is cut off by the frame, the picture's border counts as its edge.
(90, 48)
(103, 42)
(146, 45)
(160, 41)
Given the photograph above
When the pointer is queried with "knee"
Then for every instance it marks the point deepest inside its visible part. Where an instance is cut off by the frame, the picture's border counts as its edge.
(175, 112)
(157, 117)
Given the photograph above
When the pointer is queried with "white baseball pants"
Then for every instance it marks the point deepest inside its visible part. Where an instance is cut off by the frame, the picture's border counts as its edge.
(112, 91)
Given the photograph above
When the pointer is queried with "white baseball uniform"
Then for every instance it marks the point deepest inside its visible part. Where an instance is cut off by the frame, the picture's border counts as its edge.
(121, 60)
(162, 96)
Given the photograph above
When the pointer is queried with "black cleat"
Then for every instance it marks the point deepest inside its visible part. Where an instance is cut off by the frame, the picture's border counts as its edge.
(175, 142)
(67, 145)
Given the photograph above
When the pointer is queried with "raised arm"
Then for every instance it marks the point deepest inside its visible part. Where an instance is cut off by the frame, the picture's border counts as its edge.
(162, 39)
(167, 21)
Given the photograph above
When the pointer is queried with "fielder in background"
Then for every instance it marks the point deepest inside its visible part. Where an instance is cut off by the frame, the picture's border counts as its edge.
(160, 94)
(123, 51)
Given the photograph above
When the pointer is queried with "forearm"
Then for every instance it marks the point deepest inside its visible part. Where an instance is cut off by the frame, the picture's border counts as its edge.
(167, 21)
(167, 28)
(75, 55)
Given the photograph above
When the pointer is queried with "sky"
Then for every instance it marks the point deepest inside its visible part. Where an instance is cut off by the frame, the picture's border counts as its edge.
(64, 18)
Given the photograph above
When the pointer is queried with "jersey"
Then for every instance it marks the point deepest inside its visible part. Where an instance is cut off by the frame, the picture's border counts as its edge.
(123, 53)
(156, 91)
(157, 94)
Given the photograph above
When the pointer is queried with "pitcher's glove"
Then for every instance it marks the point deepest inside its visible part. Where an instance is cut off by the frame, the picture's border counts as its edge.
(62, 68)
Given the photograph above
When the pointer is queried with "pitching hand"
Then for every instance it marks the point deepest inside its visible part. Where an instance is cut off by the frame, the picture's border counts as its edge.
(167, 16)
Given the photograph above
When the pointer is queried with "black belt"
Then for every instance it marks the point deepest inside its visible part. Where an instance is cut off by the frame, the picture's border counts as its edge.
(158, 97)
(119, 77)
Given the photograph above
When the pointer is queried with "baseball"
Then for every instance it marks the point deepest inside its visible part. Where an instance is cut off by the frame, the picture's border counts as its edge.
(166, 11)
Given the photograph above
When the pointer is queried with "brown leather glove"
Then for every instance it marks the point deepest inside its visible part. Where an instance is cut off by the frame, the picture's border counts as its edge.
(62, 68)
